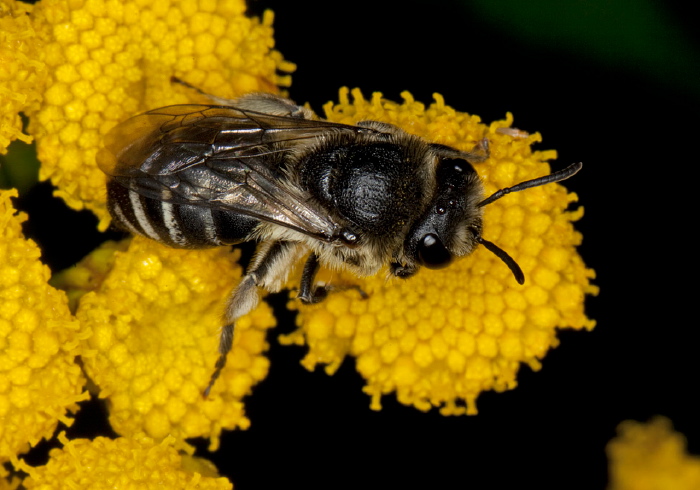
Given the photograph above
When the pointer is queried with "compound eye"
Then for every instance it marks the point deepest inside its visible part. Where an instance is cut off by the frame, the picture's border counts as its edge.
(432, 253)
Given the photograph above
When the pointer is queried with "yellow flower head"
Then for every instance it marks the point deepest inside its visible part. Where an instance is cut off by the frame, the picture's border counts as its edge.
(155, 321)
(651, 457)
(39, 340)
(105, 60)
(442, 337)
(125, 463)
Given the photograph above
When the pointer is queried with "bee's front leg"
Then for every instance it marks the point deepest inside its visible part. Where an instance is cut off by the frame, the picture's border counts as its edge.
(269, 270)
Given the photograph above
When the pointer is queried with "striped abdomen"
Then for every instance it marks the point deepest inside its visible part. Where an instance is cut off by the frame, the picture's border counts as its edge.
(176, 225)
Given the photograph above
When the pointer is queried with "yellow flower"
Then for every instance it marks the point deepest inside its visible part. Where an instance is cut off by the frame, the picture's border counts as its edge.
(651, 457)
(102, 61)
(22, 75)
(39, 340)
(442, 337)
(125, 463)
(155, 321)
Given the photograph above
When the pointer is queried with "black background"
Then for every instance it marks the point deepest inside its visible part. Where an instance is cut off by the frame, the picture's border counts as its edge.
(635, 134)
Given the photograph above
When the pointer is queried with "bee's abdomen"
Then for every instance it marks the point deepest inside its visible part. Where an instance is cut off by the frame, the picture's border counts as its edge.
(176, 225)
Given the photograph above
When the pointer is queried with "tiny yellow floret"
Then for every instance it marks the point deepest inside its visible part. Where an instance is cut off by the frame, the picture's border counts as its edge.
(40, 382)
(442, 337)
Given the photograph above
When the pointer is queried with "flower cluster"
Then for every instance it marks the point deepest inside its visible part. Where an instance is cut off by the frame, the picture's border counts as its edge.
(97, 62)
(442, 337)
(76, 68)
(39, 341)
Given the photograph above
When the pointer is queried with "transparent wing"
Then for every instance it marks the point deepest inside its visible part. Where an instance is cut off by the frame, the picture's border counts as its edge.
(221, 157)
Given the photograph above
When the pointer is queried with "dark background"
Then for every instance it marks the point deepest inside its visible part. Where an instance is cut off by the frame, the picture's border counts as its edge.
(613, 84)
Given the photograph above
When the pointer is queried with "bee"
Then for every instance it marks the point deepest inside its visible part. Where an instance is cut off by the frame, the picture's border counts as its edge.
(261, 168)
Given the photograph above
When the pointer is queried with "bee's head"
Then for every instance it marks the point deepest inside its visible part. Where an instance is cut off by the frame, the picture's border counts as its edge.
(450, 227)
(450, 223)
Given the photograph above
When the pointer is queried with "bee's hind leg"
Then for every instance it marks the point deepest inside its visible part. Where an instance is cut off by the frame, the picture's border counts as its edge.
(268, 269)
(310, 293)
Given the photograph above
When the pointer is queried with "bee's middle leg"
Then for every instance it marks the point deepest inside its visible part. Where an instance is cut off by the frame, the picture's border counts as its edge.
(310, 293)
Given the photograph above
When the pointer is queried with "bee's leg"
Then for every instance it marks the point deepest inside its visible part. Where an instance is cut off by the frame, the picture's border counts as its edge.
(269, 269)
(310, 293)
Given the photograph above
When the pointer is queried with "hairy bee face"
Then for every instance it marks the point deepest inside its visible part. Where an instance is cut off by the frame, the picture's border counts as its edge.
(262, 168)
(449, 225)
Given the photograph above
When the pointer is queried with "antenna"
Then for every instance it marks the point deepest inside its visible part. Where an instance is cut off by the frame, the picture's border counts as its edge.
(564, 174)
(507, 259)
